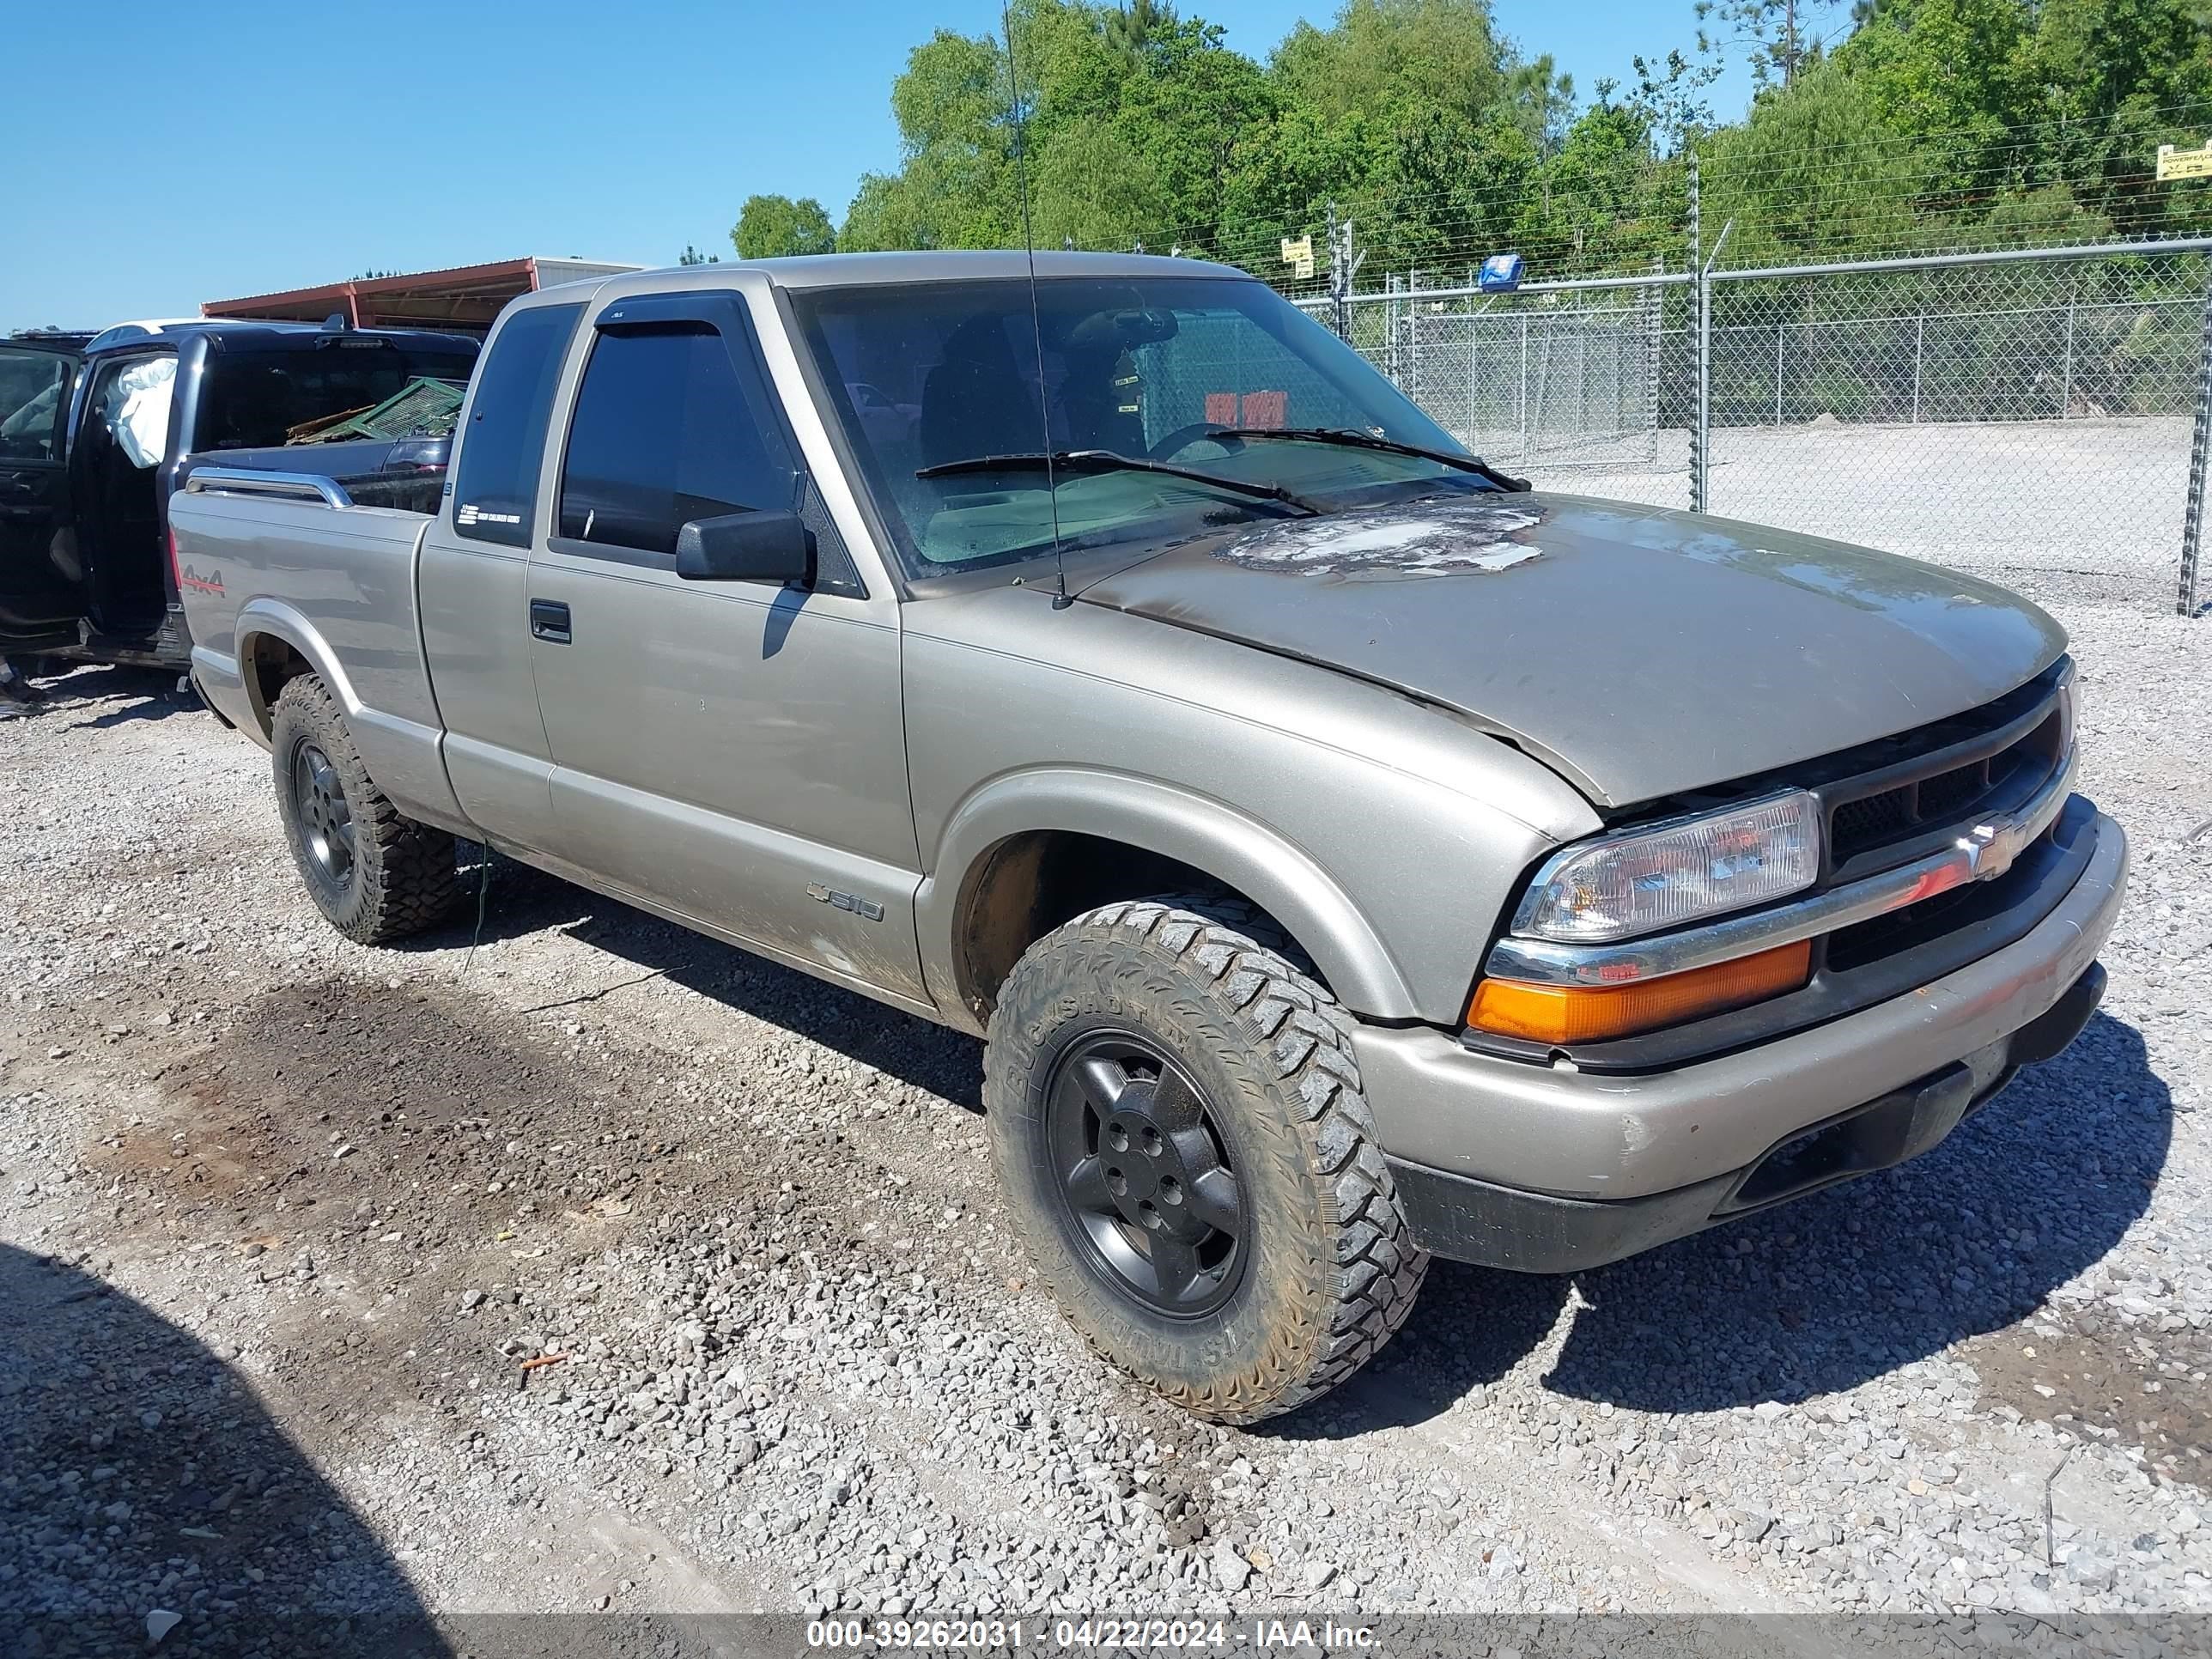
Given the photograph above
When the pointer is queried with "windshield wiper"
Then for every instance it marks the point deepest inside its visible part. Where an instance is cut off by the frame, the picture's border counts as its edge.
(1351, 439)
(1106, 460)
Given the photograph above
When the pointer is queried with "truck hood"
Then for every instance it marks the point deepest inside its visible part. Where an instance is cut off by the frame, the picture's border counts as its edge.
(1639, 650)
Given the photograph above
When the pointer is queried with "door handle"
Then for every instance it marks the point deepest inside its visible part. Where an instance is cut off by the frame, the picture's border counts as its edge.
(548, 621)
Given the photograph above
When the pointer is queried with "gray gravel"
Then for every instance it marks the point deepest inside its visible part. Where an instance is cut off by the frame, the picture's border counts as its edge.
(789, 1359)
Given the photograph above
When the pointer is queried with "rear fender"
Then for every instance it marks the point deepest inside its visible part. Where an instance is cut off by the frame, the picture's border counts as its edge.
(270, 619)
(404, 756)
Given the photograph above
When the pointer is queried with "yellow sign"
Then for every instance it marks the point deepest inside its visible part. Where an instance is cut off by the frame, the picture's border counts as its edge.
(2171, 164)
(1298, 255)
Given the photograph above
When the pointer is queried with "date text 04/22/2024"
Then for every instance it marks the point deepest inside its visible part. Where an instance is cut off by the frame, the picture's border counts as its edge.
(1105, 1635)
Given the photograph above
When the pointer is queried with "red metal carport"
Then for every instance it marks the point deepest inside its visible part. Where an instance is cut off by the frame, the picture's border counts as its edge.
(465, 297)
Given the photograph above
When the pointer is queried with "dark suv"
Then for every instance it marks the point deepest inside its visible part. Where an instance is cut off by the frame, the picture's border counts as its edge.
(96, 431)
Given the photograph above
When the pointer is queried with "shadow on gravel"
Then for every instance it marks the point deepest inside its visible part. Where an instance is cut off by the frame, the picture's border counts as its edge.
(1818, 1296)
(152, 695)
(1849, 1284)
(523, 900)
(109, 1513)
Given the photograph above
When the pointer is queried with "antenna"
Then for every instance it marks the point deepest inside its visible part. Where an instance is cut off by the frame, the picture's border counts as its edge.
(1061, 600)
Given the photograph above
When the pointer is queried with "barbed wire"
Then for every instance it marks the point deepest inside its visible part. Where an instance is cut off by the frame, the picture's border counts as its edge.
(1962, 190)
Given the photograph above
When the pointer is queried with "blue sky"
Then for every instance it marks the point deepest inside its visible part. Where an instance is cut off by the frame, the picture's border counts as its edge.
(255, 147)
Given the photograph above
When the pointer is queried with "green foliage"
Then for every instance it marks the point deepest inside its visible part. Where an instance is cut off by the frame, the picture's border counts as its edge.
(1918, 123)
(1950, 122)
(1142, 127)
(773, 226)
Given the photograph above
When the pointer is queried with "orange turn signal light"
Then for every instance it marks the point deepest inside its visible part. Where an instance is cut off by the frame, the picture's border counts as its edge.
(1564, 1013)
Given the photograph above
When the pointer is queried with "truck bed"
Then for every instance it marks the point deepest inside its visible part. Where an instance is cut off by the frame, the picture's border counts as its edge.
(289, 561)
(402, 472)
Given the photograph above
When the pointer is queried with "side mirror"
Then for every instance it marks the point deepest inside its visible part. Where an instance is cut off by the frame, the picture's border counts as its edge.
(746, 546)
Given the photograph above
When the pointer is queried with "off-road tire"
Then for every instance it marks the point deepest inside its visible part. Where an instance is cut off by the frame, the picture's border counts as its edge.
(403, 877)
(1332, 1271)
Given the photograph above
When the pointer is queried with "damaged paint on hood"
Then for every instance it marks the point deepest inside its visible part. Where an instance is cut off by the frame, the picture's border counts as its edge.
(1639, 652)
(1427, 539)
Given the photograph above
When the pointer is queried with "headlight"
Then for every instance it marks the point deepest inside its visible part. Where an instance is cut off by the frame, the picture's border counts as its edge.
(1640, 883)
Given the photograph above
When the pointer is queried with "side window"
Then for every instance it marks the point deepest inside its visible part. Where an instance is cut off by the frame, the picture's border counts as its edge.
(34, 404)
(669, 428)
(495, 486)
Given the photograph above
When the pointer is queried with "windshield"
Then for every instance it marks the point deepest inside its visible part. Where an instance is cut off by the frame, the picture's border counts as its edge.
(253, 399)
(929, 374)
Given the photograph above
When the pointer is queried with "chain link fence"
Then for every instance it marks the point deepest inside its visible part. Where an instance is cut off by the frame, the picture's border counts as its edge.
(2031, 416)
(2029, 420)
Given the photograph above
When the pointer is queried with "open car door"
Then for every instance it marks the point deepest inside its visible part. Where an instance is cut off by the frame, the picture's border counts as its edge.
(41, 603)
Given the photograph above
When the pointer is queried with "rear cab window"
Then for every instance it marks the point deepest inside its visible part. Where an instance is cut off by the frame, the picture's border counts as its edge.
(495, 483)
(256, 399)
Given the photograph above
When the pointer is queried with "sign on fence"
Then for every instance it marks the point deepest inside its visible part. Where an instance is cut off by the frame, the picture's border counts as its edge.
(2185, 163)
(1298, 255)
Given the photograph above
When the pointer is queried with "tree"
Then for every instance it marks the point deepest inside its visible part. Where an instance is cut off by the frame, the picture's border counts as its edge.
(691, 256)
(774, 226)
(1132, 27)
(1669, 96)
(1779, 37)
(1917, 123)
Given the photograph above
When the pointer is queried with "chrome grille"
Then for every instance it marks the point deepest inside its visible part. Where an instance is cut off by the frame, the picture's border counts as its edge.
(1951, 792)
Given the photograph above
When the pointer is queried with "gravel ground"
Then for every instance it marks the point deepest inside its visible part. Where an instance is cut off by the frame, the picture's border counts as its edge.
(592, 1266)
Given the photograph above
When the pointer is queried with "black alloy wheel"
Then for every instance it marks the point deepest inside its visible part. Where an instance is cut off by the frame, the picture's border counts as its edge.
(1144, 1176)
(325, 819)
(375, 874)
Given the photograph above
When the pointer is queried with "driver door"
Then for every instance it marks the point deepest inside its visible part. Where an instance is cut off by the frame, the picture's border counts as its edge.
(732, 752)
(41, 603)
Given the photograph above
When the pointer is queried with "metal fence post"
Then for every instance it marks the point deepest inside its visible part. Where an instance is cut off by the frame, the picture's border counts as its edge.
(1390, 329)
(1473, 375)
(1523, 397)
(2192, 516)
(1654, 343)
(1701, 434)
(2066, 377)
(1698, 348)
(1778, 371)
(1340, 275)
(1919, 340)
(1702, 444)
(1414, 335)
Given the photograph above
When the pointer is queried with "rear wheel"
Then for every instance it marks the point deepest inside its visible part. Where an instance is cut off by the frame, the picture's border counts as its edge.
(375, 875)
(1175, 1112)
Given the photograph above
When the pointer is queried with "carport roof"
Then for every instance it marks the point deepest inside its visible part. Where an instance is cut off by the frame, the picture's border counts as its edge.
(465, 296)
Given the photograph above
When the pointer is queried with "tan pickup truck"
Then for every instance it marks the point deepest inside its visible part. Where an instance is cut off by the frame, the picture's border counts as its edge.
(1348, 853)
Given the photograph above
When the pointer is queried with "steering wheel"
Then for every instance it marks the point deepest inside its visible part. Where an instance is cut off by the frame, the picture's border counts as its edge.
(1184, 436)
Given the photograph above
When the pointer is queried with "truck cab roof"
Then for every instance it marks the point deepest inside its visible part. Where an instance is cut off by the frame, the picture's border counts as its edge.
(223, 334)
(886, 269)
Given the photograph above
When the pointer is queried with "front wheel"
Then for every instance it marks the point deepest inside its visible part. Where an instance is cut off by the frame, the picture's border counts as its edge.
(375, 875)
(1175, 1112)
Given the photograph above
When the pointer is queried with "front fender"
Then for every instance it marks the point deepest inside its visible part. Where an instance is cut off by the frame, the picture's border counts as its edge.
(1173, 822)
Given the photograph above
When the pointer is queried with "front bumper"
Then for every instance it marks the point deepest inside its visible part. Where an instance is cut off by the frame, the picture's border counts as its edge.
(1548, 1168)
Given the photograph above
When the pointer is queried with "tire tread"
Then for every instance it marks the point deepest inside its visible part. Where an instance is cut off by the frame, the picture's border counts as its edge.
(1304, 1038)
(410, 882)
